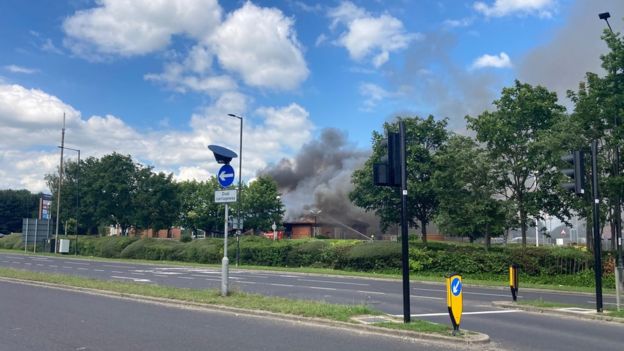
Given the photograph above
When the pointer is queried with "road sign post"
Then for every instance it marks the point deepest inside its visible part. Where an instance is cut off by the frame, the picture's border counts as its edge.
(454, 299)
(225, 176)
(513, 281)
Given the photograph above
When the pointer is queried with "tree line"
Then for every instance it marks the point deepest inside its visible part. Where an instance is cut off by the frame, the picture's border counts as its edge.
(115, 190)
(507, 175)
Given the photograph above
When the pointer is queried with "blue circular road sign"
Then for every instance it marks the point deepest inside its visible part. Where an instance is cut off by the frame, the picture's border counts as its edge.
(225, 176)
(456, 286)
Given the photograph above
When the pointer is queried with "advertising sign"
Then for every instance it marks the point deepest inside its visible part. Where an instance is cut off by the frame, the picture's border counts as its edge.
(45, 206)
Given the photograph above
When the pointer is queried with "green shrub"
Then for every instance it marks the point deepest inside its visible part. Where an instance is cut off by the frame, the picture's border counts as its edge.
(186, 238)
(307, 253)
(155, 249)
(11, 242)
(108, 246)
(203, 251)
(372, 256)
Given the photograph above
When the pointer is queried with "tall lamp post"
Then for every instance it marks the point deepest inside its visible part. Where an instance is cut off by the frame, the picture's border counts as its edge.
(240, 189)
(60, 182)
(617, 210)
(77, 194)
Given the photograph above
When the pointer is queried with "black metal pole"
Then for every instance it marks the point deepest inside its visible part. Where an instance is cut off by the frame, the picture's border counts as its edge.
(404, 236)
(596, 220)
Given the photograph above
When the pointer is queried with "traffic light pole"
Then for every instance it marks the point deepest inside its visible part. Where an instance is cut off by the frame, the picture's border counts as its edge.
(596, 223)
(404, 235)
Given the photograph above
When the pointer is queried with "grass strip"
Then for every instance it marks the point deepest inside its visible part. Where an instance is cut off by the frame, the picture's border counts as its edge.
(418, 326)
(206, 296)
(548, 304)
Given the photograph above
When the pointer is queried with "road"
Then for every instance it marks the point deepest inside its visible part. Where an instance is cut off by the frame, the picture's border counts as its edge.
(514, 329)
(36, 318)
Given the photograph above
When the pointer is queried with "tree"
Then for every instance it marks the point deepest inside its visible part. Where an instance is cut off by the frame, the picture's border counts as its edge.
(262, 205)
(466, 190)
(197, 207)
(524, 115)
(156, 202)
(598, 107)
(14, 206)
(424, 137)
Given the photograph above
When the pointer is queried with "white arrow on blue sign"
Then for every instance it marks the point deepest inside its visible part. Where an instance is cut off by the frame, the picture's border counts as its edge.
(225, 176)
(456, 286)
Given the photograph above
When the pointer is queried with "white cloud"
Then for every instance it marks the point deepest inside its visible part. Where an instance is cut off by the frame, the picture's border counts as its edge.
(500, 61)
(137, 27)
(20, 69)
(460, 23)
(367, 36)
(260, 45)
(373, 94)
(30, 125)
(501, 8)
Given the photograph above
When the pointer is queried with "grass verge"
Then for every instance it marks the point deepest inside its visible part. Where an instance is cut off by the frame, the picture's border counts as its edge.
(207, 296)
(418, 326)
(547, 304)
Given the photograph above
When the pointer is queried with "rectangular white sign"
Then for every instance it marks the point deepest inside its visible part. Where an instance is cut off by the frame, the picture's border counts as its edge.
(225, 196)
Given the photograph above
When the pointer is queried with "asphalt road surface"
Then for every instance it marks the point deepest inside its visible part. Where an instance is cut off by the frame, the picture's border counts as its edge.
(513, 329)
(37, 318)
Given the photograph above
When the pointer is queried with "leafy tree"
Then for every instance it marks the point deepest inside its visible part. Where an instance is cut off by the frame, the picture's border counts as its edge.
(424, 137)
(156, 203)
(197, 207)
(14, 206)
(466, 188)
(524, 115)
(598, 107)
(262, 205)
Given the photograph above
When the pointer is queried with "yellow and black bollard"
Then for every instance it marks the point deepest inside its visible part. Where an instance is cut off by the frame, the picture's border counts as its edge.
(513, 281)
(454, 299)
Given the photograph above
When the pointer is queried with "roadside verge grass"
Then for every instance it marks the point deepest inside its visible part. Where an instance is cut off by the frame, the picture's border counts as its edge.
(539, 303)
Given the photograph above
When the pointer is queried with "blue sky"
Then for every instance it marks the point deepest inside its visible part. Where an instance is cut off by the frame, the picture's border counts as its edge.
(156, 79)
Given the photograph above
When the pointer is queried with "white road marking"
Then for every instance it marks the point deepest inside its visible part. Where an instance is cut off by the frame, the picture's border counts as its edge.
(40, 265)
(426, 297)
(284, 285)
(136, 273)
(53, 266)
(371, 292)
(139, 280)
(442, 291)
(186, 278)
(28, 263)
(465, 313)
(331, 282)
(246, 282)
(67, 267)
(117, 272)
(80, 263)
(98, 270)
(113, 266)
(321, 288)
(83, 269)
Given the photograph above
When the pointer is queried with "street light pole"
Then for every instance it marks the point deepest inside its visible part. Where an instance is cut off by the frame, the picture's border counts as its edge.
(58, 195)
(617, 220)
(240, 189)
(77, 195)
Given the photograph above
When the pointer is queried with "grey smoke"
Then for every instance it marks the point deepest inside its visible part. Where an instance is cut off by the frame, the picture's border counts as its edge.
(561, 63)
(431, 78)
(319, 177)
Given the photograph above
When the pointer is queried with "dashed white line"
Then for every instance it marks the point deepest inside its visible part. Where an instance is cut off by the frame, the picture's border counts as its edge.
(67, 267)
(131, 278)
(79, 263)
(371, 292)
(113, 266)
(321, 288)
(83, 269)
(464, 313)
(117, 272)
(191, 278)
(426, 297)
(284, 285)
(332, 282)
(246, 282)
(98, 270)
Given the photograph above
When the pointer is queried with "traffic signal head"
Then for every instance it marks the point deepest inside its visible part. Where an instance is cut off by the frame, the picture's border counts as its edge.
(387, 172)
(576, 171)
